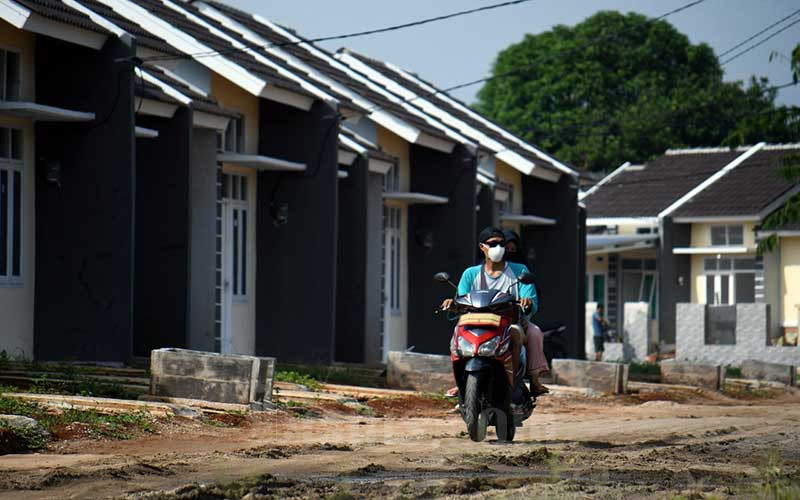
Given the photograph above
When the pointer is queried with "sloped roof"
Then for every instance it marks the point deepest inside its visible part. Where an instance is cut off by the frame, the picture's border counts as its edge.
(644, 191)
(434, 95)
(746, 190)
(219, 44)
(324, 65)
(343, 99)
(55, 10)
(373, 150)
(143, 37)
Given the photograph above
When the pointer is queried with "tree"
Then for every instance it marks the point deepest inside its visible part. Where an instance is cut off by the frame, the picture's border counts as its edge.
(790, 170)
(621, 87)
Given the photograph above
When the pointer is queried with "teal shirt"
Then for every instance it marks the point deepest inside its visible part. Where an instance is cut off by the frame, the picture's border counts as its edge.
(470, 280)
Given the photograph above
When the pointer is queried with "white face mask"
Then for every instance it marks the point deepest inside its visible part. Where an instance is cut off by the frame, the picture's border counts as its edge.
(496, 253)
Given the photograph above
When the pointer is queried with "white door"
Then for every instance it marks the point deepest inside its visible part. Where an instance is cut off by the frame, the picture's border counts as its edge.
(235, 265)
(394, 279)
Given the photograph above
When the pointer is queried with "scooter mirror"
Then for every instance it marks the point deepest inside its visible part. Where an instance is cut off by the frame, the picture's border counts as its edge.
(441, 277)
(526, 278)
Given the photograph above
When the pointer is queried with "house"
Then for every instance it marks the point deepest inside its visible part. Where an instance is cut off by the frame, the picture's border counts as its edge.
(234, 185)
(684, 228)
(65, 237)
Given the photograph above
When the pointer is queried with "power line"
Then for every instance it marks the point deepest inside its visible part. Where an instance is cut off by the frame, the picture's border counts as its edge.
(750, 38)
(549, 58)
(759, 43)
(376, 31)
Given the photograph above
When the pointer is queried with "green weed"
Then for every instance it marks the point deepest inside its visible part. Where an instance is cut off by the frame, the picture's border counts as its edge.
(298, 378)
(645, 368)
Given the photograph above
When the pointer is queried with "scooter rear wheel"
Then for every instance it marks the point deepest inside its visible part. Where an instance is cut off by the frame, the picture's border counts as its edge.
(473, 408)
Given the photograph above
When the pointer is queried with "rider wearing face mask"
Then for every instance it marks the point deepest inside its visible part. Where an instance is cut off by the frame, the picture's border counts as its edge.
(496, 274)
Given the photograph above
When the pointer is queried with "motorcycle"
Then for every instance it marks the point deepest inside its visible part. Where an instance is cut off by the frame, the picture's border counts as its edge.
(490, 394)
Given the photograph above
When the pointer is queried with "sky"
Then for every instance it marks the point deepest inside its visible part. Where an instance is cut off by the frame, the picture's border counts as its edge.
(463, 49)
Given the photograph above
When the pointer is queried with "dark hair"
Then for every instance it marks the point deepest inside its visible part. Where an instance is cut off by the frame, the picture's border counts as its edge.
(511, 236)
(490, 232)
(599, 306)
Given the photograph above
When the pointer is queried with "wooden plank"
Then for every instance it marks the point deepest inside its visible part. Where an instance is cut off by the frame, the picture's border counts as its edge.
(110, 379)
(366, 392)
(103, 405)
(197, 403)
(33, 380)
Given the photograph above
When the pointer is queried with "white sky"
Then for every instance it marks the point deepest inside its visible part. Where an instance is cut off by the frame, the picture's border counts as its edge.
(462, 49)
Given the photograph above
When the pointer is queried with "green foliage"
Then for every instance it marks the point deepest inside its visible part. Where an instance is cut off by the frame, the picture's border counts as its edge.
(787, 214)
(776, 483)
(335, 374)
(298, 378)
(113, 426)
(645, 368)
(639, 92)
(733, 372)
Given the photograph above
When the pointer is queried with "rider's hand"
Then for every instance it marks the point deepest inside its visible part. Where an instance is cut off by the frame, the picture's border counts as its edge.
(525, 303)
(447, 304)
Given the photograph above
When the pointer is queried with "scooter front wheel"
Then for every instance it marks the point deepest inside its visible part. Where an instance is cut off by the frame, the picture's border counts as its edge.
(473, 408)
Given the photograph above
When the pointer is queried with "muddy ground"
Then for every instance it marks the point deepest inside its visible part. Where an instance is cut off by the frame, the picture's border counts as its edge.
(680, 445)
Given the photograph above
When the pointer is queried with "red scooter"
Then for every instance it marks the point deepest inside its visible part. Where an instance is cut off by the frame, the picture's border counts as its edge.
(480, 349)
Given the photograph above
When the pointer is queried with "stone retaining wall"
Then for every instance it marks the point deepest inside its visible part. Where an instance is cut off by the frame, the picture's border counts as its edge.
(751, 338)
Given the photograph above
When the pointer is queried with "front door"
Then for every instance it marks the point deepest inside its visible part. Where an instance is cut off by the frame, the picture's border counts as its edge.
(394, 279)
(236, 319)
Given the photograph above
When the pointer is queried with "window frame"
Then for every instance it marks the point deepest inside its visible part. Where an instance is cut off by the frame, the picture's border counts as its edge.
(236, 195)
(13, 166)
(730, 274)
(4, 51)
(727, 230)
(504, 206)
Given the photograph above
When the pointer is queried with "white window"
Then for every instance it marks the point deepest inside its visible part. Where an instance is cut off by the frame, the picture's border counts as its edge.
(391, 180)
(9, 75)
(11, 198)
(503, 198)
(234, 190)
(392, 238)
(727, 235)
(729, 281)
(232, 139)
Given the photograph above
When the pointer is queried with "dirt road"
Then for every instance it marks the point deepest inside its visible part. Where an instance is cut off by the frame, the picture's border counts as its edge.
(412, 448)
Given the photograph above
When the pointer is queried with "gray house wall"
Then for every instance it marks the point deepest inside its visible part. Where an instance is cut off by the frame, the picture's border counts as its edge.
(161, 281)
(351, 306)
(671, 268)
(85, 223)
(202, 240)
(555, 257)
(296, 273)
(441, 238)
(373, 288)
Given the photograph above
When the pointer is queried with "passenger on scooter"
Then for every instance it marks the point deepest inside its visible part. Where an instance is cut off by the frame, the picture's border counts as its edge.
(534, 338)
(495, 273)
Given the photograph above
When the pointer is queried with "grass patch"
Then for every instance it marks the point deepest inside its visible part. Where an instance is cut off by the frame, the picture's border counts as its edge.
(775, 482)
(298, 378)
(733, 372)
(90, 423)
(345, 375)
(645, 368)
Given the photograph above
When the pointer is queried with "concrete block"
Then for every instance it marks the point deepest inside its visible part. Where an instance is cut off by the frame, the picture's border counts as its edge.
(224, 378)
(636, 330)
(710, 377)
(597, 375)
(590, 308)
(420, 372)
(775, 372)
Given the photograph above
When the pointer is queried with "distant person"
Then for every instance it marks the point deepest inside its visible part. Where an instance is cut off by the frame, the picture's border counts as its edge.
(599, 325)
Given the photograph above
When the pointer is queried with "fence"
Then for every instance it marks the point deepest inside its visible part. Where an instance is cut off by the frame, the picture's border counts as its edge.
(728, 335)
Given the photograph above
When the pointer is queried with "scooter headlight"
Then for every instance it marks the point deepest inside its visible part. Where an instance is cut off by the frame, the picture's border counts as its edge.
(465, 347)
(503, 348)
(489, 347)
